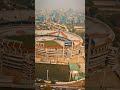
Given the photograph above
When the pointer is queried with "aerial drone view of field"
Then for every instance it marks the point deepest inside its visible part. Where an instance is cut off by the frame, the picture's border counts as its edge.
(59, 45)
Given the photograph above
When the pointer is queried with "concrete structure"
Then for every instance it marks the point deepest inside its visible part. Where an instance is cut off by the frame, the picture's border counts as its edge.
(98, 45)
(16, 59)
(62, 52)
(79, 28)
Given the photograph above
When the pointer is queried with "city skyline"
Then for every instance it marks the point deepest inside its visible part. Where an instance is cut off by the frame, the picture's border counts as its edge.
(60, 4)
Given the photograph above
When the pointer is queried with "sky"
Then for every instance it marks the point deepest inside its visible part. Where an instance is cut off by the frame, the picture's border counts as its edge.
(60, 4)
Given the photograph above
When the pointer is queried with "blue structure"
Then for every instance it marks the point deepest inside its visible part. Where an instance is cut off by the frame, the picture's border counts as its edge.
(63, 19)
(41, 18)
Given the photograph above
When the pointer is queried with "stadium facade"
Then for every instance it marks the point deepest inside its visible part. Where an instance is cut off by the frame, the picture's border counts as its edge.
(99, 49)
(69, 44)
(56, 47)
(17, 60)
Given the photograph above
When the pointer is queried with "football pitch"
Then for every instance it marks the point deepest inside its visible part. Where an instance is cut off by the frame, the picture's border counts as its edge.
(28, 40)
(56, 72)
(50, 43)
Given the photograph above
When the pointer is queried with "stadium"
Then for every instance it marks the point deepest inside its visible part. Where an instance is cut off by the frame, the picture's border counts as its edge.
(101, 55)
(58, 41)
(99, 49)
(17, 50)
(58, 48)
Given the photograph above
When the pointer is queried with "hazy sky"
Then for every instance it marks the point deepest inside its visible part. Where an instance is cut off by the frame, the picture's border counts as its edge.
(60, 4)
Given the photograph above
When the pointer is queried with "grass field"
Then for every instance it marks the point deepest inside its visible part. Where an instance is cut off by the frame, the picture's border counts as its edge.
(56, 72)
(28, 40)
(50, 43)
